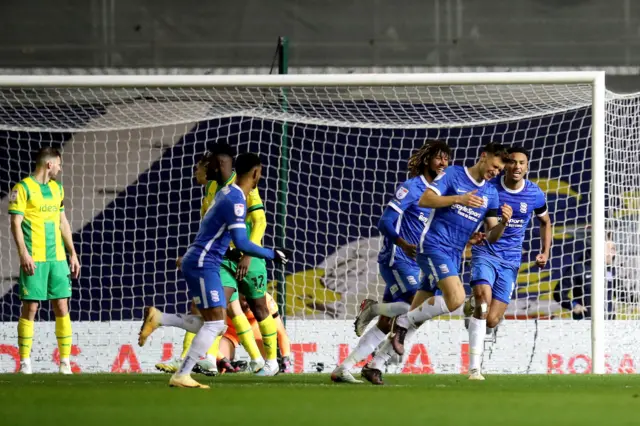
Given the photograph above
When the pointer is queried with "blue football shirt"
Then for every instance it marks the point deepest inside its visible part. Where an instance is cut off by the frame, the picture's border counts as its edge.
(525, 202)
(411, 222)
(452, 226)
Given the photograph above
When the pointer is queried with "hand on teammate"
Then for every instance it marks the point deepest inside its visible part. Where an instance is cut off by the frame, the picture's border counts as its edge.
(506, 213)
(541, 260)
(409, 249)
(243, 267)
(233, 254)
(282, 256)
(27, 264)
(471, 200)
(74, 266)
(477, 238)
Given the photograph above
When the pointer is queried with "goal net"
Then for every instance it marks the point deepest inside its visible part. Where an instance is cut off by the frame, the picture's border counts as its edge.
(333, 155)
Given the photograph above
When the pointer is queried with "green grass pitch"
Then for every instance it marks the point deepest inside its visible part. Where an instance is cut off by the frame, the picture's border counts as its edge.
(438, 400)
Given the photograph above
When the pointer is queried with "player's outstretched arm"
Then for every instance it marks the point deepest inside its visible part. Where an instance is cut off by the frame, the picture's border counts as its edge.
(386, 227)
(239, 236)
(432, 199)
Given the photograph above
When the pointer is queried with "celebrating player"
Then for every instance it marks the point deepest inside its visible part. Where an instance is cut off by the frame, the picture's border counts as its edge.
(42, 232)
(216, 170)
(462, 200)
(224, 221)
(401, 224)
(494, 265)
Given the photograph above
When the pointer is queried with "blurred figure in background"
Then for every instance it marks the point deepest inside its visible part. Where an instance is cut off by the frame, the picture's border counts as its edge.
(573, 292)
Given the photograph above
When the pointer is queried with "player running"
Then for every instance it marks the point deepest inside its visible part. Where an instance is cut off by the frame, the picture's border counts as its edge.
(42, 232)
(201, 266)
(401, 224)
(462, 199)
(216, 171)
(494, 265)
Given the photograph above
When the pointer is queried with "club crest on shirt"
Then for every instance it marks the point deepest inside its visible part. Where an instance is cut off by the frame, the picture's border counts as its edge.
(523, 207)
(238, 209)
(401, 193)
(13, 197)
(485, 201)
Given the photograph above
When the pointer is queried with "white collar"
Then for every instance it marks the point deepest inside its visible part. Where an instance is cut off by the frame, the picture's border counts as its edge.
(512, 191)
(475, 182)
(424, 180)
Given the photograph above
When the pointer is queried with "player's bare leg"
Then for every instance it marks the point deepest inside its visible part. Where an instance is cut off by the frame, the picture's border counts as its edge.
(63, 333)
(25, 334)
(269, 331)
(478, 329)
(452, 298)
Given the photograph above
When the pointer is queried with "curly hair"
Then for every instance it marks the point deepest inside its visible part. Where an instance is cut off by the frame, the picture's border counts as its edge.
(423, 156)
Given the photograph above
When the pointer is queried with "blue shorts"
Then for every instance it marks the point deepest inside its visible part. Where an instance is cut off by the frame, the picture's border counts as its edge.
(402, 280)
(438, 264)
(205, 286)
(499, 276)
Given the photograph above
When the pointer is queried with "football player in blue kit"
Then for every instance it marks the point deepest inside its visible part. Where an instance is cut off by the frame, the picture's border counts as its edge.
(461, 200)
(401, 225)
(223, 222)
(494, 265)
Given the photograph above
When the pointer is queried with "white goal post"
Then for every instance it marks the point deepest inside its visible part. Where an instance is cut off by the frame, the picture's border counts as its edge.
(340, 100)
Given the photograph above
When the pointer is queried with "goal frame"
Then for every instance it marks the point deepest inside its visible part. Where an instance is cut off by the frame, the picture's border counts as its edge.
(598, 123)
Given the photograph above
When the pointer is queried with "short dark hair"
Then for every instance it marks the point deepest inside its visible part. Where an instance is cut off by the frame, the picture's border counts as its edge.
(46, 154)
(221, 148)
(497, 150)
(246, 162)
(518, 150)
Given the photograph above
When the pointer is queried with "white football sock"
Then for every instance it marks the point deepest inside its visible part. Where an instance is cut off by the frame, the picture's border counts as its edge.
(390, 310)
(366, 345)
(201, 344)
(477, 330)
(426, 311)
(384, 354)
(190, 323)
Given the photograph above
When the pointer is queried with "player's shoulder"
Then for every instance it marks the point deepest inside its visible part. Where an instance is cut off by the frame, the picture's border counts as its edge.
(531, 186)
(211, 187)
(450, 172)
(55, 185)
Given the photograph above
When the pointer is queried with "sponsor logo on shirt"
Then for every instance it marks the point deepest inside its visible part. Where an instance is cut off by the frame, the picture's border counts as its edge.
(49, 209)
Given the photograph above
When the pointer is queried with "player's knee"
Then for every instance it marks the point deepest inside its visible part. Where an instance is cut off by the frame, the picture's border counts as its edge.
(29, 310)
(60, 307)
(454, 300)
(492, 320)
(259, 308)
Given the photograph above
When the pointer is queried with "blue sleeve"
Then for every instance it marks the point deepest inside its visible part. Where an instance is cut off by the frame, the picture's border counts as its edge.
(234, 211)
(387, 222)
(493, 203)
(443, 183)
(405, 195)
(240, 239)
(540, 207)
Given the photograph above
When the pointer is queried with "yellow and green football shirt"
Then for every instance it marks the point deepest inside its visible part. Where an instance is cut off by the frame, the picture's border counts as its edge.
(41, 206)
(254, 202)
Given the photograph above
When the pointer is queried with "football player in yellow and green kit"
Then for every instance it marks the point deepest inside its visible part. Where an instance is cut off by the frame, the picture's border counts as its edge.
(215, 170)
(42, 232)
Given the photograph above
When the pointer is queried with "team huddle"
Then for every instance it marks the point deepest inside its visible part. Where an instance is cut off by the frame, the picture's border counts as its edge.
(427, 225)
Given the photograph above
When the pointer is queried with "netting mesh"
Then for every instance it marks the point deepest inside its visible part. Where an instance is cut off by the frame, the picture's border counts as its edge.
(129, 156)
